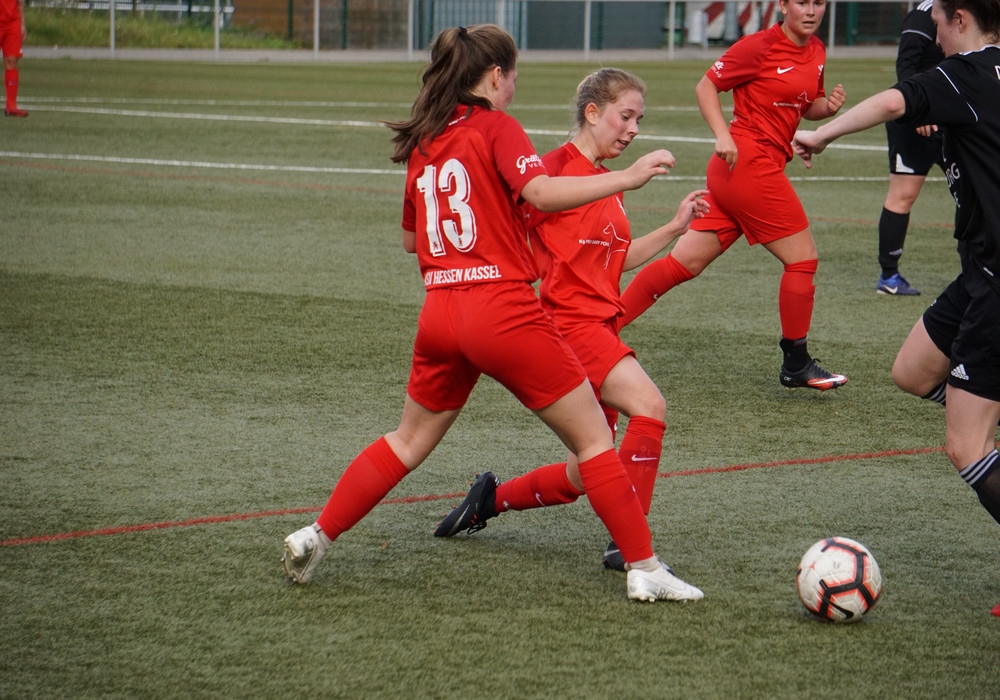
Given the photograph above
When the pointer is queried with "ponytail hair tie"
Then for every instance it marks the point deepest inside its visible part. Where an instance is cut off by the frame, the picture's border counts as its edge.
(462, 31)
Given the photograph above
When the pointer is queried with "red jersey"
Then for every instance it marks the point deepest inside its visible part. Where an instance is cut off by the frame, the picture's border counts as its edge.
(774, 82)
(581, 252)
(10, 11)
(462, 190)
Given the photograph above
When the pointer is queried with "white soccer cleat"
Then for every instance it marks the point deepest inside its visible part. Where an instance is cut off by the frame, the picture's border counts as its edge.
(661, 584)
(302, 553)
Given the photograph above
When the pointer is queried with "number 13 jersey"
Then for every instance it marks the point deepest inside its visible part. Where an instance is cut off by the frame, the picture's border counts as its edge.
(461, 194)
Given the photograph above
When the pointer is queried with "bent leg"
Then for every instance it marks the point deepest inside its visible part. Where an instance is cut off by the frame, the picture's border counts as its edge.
(629, 389)
(970, 441)
(579, 422)
(920, 367)
(970, 426)
(693, 252)
(382, 465)
(796, 293)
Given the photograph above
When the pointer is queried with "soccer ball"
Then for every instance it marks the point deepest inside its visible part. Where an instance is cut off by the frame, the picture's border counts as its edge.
(838, 580)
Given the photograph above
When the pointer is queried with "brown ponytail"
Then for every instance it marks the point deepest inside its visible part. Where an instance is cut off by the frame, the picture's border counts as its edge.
(459, 58)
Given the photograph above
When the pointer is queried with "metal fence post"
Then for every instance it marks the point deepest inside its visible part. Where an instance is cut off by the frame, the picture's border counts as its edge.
(316, 27)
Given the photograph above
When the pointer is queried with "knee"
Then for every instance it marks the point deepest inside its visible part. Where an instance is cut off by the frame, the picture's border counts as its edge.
(694, 266)
(905, 381)
(656, 407)
(805, 267)
(900, 202)
(959, 453)
(648, 403)
(964, 448)
(913, 380)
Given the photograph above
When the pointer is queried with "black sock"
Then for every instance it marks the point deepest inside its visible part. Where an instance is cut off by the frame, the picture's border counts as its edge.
(796, 354)
(891, 234)
(937, 394)
(984, 476)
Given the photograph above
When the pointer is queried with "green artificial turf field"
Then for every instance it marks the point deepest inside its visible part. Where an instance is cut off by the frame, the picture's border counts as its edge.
(206, 313)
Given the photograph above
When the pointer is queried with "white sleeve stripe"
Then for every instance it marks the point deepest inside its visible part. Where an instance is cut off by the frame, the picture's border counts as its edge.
(971, 109)
(916, 31)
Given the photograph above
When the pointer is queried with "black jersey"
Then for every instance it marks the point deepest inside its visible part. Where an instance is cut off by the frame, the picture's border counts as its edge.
(918, 51)
(962, 95)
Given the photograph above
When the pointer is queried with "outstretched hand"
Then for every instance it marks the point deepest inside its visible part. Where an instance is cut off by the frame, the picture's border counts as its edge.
(650, 165)
(691, 207)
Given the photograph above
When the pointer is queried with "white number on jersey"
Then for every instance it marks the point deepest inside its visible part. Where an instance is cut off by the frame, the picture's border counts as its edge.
(452, 184)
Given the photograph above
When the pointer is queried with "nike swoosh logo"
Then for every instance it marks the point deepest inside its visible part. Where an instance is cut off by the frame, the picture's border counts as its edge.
(892, 290)
(455, 525)
(645, 459)
(782, 71)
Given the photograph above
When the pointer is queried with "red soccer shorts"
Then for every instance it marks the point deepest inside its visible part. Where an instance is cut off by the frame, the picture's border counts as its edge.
(497, 329)
(755, 199)
(10, 38)
(598, 348)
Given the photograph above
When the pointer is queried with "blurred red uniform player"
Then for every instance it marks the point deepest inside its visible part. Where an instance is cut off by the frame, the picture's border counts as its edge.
(12, 33)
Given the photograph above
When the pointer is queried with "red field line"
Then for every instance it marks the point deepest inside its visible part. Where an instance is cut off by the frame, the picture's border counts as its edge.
(126, 529)
(792, 462)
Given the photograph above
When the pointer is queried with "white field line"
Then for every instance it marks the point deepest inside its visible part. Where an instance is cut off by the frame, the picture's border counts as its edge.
(568, 107)
(320, 122)
(258, 167)
(202, 164)
(52, 104)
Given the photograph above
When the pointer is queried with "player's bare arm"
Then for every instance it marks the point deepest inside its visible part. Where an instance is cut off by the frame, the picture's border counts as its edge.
(549, 194)
(711, 111)
(885, 106)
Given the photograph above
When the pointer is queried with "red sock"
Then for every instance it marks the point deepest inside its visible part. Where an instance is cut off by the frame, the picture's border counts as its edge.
(541, 487)
(640, 453)
(10, 82)
(652, 282)
(613, 498)
(365, 482)
(795, 299)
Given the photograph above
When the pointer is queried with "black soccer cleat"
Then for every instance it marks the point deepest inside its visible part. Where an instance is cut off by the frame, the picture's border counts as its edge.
(473, 512)
(811, 376)
(613, 558)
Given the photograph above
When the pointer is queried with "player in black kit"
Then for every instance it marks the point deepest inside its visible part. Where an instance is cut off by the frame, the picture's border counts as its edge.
(912, 151)
(952, 355)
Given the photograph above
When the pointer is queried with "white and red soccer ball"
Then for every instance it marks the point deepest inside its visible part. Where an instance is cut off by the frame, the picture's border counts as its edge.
(838, 580)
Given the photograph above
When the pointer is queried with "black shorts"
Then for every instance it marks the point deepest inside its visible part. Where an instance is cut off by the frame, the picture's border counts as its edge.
(910, 153)
(964, 323)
